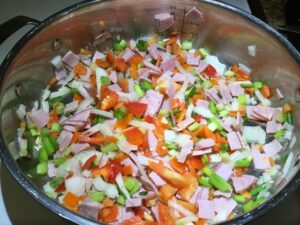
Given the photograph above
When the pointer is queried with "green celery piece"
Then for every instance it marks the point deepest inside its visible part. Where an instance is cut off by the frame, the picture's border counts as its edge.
(117, 47)
(97, 196)
(204, 159)
(190, 92)
(258, 189)
(258, 201)
(203, 52)
(54, 183)
(105, 81)
(47, 145)
(220, 107)
(212, 107)
(219, 183)
(229, 73)
(44, 131)
(212, 126)
(258, 84)
(186, 45)
(224, 113)
(60, 160)
(194, 127)
(42, 168)
(243, 163)
(130, 183)
(218, 124)
(121, 200)
(120, 114)
(146, 85)
(109, 147)
(142, 45)
(203, 181)
(170, 145)
(161, 43)
(34, 132)
(279, 134)
(43, 155)
(207, 171)
(59, 108)
(55, 127)
(247, 85)
(138, 90)
(239, 198)
(242, 99)
(123, 43)
(249, 206)
(223, 133)
(206, 84)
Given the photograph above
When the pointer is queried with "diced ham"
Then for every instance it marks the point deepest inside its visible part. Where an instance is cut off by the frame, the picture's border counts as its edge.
(178, 77)
(98, 55)
(164, 21)
(223, 205)
(185, 151)
(171, 90)
(191, 59)
(126, 213)
(71, 107)
(152, 67)
(225, 92)
(79, 147)
(202, 66)
(201, 152)
(61, 73)
(206, 209)
(203, 193)
(153, 99)
(168, 64)
(224, 171)
(243, 183)
(227, 123)
(152, 140)
(79, 118)
(115, 88)
(194, 15)
(273, 127)
(236, 89)
(272, 148)
(89, 208)
(205, 143)
(238, 124)
(202, 103)
(70, 128)
(40, 117)
(261, 161)
(51, 170)
(154, 51)
(134, 202)
(165, 76)
(113, 76)
(71, 59)
(234, 141)
(128, 162)
(218, 193)
(64, 139)
(157, 180)
(262, 113)
(184, 124)
(212, 94)
(127, 54)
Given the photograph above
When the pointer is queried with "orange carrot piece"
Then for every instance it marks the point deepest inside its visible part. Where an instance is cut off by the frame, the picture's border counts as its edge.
(126, 170)
(124, 84)
(71, 200)
(134, 135)
(109, 214)
(78, 97)
(75, 137)
(165, 215)
(80, 69)
(166, 192)
(110, 58)
(120, 65)
(179, 167)
(201, 222)
(102, 63)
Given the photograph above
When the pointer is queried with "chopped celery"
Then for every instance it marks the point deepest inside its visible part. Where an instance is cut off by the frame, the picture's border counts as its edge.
(219, 183)
(47, 145)
(224, 147)
(120, 114)
(242, 99)
(218, 124)
(42, 168)
(34, 132)
(30, 125)
(239, 198)
(117, 46)
(204, 181)
(138, 90)
(56, 182)
(123, 43)
(44, 131)
(170, 145)
(132, 185)
(146, 85)
(249, 206)
(243, 162)
(206, 84)
(212, 107)
(247, 84)
(229, 73)
(204, 159)
(194, 127)
(224, 113)
(223, 133)
(212, 126)
(43, 155)
(280, 118)
(220, 107)
(203, 52)
(186, 45)
(74, 91)
(190, 92)
(258, 189)
(164, 112)
(121, 200)
(110, 147)
(161, 43)
(207, 171)
(257, 84)
(53, 141)
(105, 81)
(59, 108)
(258, 201)
(55, 127)
(60, 160)
(97, 196)
(142, 45)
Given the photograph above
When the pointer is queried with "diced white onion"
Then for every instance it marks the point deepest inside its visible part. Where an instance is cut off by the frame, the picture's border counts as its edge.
(288, 164)
(120, 183)
(143, 125)
(76, 185)
(103, 113)
(61, 92)
(57, 62)
(21, 111)
(169, 135)
(203, 112)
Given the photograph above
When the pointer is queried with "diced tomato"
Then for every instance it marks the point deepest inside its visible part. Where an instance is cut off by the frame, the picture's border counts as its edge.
(110, 101)
(139, 212)
(148, 119)
(197, 118)
(110, 58)
(114, 168)
(88, 163)
(109, 214)
(210, 71)
(136, 108)
(61, 187)
(134, 135)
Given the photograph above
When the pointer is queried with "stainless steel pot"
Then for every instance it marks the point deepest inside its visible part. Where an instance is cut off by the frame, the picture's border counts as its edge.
(224, 30)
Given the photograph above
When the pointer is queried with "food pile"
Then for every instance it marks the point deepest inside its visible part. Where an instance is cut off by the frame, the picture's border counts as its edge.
(154, 131)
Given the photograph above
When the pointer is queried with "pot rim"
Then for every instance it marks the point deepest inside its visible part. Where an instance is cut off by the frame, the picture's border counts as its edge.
(63, 212)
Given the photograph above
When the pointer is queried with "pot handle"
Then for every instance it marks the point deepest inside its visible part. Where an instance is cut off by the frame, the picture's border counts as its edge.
(11, 26)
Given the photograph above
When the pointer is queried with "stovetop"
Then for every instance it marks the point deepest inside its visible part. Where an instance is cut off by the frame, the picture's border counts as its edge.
(20, 207)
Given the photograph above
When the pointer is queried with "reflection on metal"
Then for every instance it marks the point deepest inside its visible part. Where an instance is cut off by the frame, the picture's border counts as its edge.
(57, 44)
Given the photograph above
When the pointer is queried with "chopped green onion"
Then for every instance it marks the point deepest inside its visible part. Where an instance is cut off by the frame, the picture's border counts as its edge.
(121, 200)
(143, 193)
(258, 84)
(47, 145)
(117, 47)
(142, 45)
(123, 43)
(59, 108)
(55, 127)
(258, 189)
(42, 168)
(146, 85)
(224, 147)
(34, 132)
(44, 131)
(242, 99)
(239, 198)
(229, 73)
(206, 84)
(203, 52)
(186, 45)
(120, 114)
(170, 145)
(109, 147)
(97, 196)
(138, 90)
(288, 117)
(249, 206)
(74, 91)
(190, 92)
(56, 182)
(60, 160)
(105, 81)
(204, 159)
(247, 84)
(194, 127)
(219, 183)
(243, 162)
(43, 155)
(204, 181)
(212, 107)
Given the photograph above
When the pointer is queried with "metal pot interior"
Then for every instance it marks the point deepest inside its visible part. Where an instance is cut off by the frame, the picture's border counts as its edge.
(224, 31)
